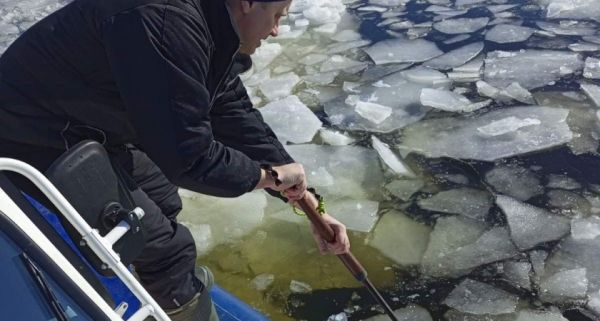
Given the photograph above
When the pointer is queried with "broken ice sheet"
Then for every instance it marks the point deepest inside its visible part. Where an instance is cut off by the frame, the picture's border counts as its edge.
(516, 181)
(504, 33)
(568, 28)
(404, 189)
(390, 159)
(364, 183)
(533, 315)
(402, 97)
(564, 286)
(518, 274)
(469, 202)
(459, 244)
(291, 120)
(403, 50)
(455, 58)
(448, 101)
(373, 112)
(279, 86)
(335, 138)
(576, 9)
(585, 228)
(530, 225)
(593, 92)
(480, 137)
(530, 68)
(592, 68)
(475, 297)
(337, 62)
(461, 25)
(395, 228)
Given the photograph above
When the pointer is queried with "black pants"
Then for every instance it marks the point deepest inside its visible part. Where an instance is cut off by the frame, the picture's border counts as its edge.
(166, 265)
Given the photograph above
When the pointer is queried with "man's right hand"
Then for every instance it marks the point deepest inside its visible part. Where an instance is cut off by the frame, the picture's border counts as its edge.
(292, 177)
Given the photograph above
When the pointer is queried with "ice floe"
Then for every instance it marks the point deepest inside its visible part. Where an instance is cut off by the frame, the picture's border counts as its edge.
(291, 120)
(491, 136)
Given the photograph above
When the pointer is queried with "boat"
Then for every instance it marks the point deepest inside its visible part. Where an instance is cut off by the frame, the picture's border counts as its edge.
(46, 277)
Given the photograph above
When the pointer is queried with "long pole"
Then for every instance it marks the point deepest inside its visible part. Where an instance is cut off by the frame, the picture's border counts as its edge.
(357, 270)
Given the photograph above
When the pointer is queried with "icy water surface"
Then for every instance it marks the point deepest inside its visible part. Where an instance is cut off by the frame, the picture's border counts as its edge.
(457, 140)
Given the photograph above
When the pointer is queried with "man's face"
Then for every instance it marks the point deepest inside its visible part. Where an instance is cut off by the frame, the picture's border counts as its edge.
(259, 20)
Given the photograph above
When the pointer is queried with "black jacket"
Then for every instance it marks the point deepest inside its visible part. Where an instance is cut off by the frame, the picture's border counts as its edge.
(160, 74)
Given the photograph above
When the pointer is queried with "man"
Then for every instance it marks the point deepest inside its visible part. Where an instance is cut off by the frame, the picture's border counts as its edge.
(154, 81)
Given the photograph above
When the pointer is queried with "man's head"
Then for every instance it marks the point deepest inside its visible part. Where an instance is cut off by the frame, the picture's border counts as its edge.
(256, 20)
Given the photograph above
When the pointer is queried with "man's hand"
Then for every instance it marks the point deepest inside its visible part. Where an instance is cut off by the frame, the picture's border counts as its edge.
(292, 181)
(340, 244)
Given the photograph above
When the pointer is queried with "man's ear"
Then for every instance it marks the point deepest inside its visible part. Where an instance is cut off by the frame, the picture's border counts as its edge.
(246, 6)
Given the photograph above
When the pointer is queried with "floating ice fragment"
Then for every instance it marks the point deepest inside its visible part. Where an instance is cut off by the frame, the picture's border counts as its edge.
(346, 35)
(564, 286)
(265, 54)
(291, 120)
(455, 58)
(531, 315)
(562, 182)
(396, 228)
(262, 281)
(475, 297)
(461, 25)
(409, 313)
(585, 228)
(503, 33)
(459, 137)
(469, 202)
(577, 9)
(506, 125)
(404, 189)
(375, 113)
(593, 92)
(390, 159)
(592, 68)
(402, 50)
(337, 62)
(300, 287)
(335, 138)
(447, 100)
(530, 225)
(279, 86)
(582, 47)
(517, 273)
(530, 68)
(515, 181)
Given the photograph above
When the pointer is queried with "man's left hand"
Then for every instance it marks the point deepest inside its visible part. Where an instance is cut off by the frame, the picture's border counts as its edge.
(340, 244)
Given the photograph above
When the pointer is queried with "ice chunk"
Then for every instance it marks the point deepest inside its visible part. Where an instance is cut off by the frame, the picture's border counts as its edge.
(279, 86)
(515, 181)
(564, 285)
(562, 182)
(404, 189)
(343, 47)
(585, 228)
(291, 120)
(593, 92)
(346, 35)
(390, 159)
(338, 317)
(469, 202)
(394, 229)
(475, 297)
(461, 25)
(223, 215)
(475, 138)
(517, 273)
(503, 33)
(321, 15)
(516, 91)
(530, 225)
(531, 315)
(456, 39)
(202, 237)
(426, 76)
(506, 125)
(592, 68)
(453, 315)
(364, 183)
(530, 68)
(337, 62)
(582, 47)
(262, 281)
(447, 100)
(568, 28)
(300, 287)
(458, 244)
(577, 9)
(402, 50)
(265, 54)
(375, 113)
(410, 313)
(335, 138)
(567, 201)
(455, 58)
(313, 58)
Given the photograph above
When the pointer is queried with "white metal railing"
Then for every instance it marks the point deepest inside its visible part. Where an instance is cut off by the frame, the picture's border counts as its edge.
(102, 246)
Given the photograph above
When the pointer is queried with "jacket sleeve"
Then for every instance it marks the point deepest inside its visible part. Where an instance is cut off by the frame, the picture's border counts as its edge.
(160, 60)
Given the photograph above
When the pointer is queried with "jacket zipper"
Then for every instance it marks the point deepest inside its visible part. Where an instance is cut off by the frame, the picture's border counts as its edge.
(220, 83)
